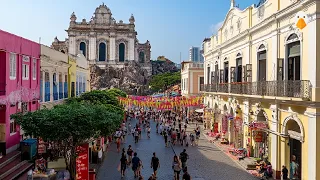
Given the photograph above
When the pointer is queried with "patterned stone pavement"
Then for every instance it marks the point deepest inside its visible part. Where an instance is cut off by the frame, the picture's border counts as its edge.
(206, 161)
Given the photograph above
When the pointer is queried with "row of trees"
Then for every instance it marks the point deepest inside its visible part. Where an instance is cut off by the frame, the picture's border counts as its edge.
(94, 114)
(165, 80)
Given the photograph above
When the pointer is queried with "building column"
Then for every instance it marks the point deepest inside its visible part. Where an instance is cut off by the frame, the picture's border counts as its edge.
(274, 149)
(92, 47)
(274, 51)
(312, 150)
(72, 45)
(43, 86)
(51, 85)
(131, 49)
(112, 47)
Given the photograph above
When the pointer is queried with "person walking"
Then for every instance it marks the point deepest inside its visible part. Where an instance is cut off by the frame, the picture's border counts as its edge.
(176, 166)
(148, 131)
(136, 164)
(155, 164)
(118, 144)
(186, 175)
(129, 153)
(165, 135)
(184, 157)
(123, 164)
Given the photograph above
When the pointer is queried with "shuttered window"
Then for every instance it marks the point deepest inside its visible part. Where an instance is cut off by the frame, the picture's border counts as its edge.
(233, 73)
(13, 66)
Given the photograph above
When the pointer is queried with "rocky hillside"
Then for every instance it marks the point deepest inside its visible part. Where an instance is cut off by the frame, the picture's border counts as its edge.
(132, 78)
(159, 67)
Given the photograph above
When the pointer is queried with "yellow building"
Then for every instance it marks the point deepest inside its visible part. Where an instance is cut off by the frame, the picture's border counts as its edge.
(260, 77)
(82, 75)
(72, 76)
(191, 78)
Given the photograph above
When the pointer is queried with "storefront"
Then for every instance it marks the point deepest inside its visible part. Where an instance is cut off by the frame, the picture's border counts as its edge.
(259, 140)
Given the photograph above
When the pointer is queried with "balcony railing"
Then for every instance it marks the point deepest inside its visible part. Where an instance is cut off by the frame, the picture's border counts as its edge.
(296, 89)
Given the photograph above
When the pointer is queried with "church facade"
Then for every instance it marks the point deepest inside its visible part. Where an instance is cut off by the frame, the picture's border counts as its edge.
(104, 41)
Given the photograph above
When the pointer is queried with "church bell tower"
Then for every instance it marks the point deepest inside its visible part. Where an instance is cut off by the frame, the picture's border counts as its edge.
(232, 4)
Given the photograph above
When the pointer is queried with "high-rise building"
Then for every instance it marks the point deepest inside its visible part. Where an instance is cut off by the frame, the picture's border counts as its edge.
(195, 55)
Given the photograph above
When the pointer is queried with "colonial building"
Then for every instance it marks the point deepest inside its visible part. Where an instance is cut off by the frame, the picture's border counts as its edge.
(261, 78)
(83, 75)
(191, 78)
(104, 41)
(53, 77)
(19, 86)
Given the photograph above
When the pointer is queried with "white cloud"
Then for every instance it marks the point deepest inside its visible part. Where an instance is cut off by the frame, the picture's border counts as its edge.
(215, 27)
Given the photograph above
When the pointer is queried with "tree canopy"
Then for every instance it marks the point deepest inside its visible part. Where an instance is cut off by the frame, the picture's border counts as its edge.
(163, 81)
(93, 114)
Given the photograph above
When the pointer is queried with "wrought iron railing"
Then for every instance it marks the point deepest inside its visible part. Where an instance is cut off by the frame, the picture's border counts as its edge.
(2, 89)
(297, 89)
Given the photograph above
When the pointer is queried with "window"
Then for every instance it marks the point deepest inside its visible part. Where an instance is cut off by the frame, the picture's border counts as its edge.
(102, 51)
(201, 81)
(83, 48)
(13, 66)
(25, 71)
(34, 69)
(13, 127)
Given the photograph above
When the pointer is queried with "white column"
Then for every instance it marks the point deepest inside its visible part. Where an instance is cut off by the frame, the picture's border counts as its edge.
(131, 49)
(43, 86)
(51, 85)
(112, 48)
(312, 55)
(312, 74)
(274, 138)
(92, 48)
(312, 147)
(191, 85)
(72, 45)
(57, 81)
(274, 51)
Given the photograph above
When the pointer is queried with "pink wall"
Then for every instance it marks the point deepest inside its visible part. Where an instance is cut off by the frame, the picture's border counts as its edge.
(18, 89)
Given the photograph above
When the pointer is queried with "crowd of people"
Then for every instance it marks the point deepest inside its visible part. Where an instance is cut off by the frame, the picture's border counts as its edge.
(172, 125)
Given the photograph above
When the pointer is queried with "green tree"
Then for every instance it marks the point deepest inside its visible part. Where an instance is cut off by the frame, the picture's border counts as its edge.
(69, 125)
(116, 92)
(163, 81)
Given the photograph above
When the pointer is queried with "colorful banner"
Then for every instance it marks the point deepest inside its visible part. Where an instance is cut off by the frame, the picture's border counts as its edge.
(161, 103)
(82, 162)
(224, 125)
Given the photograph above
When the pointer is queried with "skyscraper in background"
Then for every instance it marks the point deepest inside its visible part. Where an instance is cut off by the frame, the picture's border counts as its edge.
(195, 55)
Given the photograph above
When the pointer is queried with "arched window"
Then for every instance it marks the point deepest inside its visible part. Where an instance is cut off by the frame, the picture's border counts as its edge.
(239, 68)
(141, 57)
(262, 63)
(102, 51)
(121, 52)
(83, 48)
(293, 37)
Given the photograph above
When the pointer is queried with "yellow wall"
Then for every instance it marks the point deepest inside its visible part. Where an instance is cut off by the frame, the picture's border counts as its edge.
(72, 74)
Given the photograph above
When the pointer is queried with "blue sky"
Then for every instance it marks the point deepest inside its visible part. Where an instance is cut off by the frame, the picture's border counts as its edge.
(171, 26)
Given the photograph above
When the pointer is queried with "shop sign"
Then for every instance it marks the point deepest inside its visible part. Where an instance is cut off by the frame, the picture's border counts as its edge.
(259, 125)
(82, 162)
(238, 123)
(224, 124)
(215, 128)
(258, 137)
(41, 146)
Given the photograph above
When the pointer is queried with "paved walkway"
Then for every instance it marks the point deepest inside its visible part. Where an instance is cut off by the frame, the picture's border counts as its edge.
(207, 162)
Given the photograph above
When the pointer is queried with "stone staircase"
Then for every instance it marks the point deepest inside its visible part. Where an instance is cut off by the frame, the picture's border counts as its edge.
(11, 166)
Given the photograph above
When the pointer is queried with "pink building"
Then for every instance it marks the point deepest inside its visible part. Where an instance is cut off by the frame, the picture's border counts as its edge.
(19, 85)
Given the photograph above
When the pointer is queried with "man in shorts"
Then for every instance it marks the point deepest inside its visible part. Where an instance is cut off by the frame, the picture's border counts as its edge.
(155, 164)
(136, 163)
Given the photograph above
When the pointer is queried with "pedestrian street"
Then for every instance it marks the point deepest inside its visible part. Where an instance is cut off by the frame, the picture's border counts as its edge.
(206, 162)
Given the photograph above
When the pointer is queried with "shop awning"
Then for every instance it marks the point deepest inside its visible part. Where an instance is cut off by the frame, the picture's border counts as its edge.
(199, 110)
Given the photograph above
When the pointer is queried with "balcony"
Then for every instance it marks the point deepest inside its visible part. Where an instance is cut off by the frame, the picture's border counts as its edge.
(295, 89)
